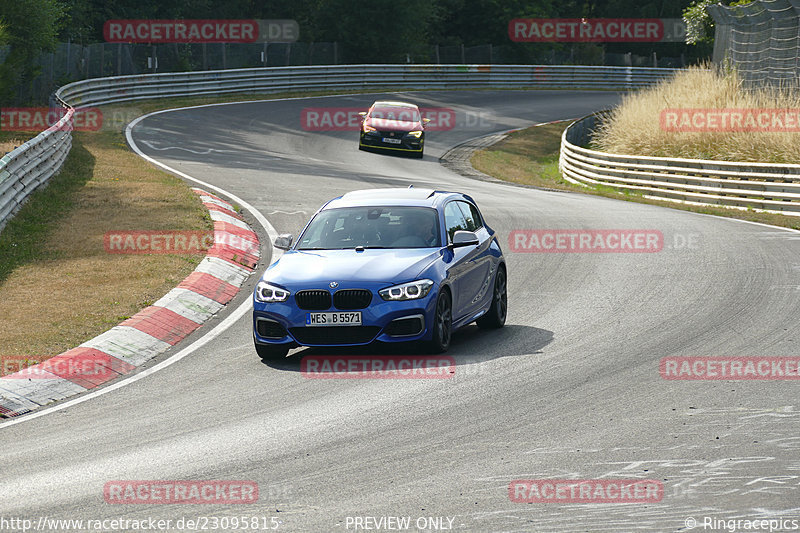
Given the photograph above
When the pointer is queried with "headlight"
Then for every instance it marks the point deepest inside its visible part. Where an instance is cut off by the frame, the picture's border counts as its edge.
(267, 293)
(368, 129)
(416, 134)
(407, 291)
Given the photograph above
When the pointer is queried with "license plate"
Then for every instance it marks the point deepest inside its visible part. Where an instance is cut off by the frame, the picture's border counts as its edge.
(333, 319)
(391, 141)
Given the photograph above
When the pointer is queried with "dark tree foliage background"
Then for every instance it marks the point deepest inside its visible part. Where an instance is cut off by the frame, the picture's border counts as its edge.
(29, 27)
(382, 30)
(366, 31)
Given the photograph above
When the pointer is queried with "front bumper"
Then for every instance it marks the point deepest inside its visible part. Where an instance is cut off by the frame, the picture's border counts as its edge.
(375, 140)
(393, 321)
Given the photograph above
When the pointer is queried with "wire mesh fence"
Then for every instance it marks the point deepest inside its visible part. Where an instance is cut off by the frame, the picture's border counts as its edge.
(73, 62)
(761, 40)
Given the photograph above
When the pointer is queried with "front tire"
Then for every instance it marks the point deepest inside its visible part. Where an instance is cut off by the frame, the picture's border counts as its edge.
(495, 317)
(271, 352)
(442, 324)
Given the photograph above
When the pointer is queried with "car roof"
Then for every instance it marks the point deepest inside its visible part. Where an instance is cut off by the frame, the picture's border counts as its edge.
(412, 196)
(394, 103)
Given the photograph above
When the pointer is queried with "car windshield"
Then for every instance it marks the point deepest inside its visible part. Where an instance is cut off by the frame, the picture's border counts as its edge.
(396, 112)
(372, 227)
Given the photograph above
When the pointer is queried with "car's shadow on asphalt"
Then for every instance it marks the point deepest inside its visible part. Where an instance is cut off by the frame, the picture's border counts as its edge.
(469, 346)
(391, 153)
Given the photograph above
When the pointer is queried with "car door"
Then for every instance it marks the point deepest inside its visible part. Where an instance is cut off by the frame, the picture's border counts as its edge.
(478, 276)
(461, 261)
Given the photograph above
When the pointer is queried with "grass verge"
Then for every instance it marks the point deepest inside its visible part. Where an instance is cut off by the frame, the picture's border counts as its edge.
(58, 286)
(12, 139)
(659, 121)
(530, 157)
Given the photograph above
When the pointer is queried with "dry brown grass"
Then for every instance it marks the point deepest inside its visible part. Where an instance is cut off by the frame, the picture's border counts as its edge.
(70, 289)
(530, 156)
(635, 128)
(11, 140)
(7, 146)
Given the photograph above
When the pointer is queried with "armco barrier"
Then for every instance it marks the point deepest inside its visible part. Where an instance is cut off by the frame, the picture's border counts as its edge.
(33, 163)
(765, 186)
(355, 77)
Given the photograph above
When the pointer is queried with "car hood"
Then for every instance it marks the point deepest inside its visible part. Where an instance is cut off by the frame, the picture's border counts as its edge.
(386, 124)
(310, 267)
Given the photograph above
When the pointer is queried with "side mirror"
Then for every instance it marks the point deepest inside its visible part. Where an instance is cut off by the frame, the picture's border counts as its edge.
(362, 113)
(283, 241)
(425, 120)
(464, 238)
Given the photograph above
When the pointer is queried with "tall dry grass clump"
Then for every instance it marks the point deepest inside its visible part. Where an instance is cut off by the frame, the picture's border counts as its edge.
(8, 145)
(635, 126)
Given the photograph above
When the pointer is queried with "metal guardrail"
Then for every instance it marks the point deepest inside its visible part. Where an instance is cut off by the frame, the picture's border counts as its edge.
(765, 186)
(33, 163)
(30, 165)
(356, 77)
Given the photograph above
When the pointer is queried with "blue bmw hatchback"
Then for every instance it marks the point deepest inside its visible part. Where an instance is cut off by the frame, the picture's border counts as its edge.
(387, 265)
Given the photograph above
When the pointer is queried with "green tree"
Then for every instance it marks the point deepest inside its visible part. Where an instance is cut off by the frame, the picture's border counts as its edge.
(699, 25)
(377, 32)
(31, 27)
(86, 17)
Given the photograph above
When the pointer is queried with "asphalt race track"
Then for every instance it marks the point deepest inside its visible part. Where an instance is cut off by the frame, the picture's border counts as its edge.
(570, 388)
